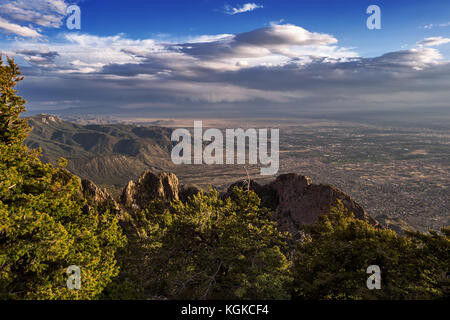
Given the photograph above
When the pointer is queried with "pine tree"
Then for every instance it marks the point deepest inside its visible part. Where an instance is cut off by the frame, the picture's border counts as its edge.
(12, 128)
(45, 223)
(206, 248)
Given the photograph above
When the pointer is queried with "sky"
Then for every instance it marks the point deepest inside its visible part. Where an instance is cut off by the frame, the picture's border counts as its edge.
(236, 58)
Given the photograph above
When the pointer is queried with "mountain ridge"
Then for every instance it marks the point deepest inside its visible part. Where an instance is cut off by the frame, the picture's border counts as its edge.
(294, 199)
(107, 154)
(112, 155)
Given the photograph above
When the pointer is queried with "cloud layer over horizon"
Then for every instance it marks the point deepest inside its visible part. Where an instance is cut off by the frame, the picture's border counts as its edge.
(281, 68)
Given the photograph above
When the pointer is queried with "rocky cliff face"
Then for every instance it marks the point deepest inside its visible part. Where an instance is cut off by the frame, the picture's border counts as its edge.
(92, 192)
(297, 201)
(148, 187)
(294, 199)
(98, 197)
(301, 201)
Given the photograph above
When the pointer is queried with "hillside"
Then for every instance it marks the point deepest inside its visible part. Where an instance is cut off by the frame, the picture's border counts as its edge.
(399, 176)
(107, 154)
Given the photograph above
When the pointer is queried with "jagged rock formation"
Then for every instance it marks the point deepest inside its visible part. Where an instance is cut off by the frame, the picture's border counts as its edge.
(92, 192)
(294, 199)
(297, 201)
(98, 197)
(148, 187)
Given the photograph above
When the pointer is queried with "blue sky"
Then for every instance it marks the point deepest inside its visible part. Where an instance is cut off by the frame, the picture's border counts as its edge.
(164, 56)
(403, 21)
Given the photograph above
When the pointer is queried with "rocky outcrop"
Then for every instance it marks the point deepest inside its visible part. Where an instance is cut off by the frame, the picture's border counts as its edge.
(297, 201)
(294, 199)
(98, 197)
(149, 187)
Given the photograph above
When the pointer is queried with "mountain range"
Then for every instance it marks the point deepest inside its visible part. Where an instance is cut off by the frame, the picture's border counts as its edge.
(108, 154)
(112, 156)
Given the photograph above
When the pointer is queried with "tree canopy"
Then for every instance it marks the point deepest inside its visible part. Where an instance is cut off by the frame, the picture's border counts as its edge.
(209, 248)
(332, 259)
(45, 223)
(205, 247)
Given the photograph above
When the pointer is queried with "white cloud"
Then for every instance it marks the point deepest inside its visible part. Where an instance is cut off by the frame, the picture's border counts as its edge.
(17, 29)
(414, 58)
(241, 9)
(433, 41)
(276, 45)
(210, 38)
(270, 46)
(280, 65)
(287, 34)
(33, 13)
(431, 25)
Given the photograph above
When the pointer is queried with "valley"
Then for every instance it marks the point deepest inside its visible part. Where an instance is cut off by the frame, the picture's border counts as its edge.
(400, 175)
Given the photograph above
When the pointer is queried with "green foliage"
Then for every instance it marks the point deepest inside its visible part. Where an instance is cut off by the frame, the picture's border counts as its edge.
(203, 248)
(332, 259)
(12, 129)
(433, 261)
(208, 248)
(45, 223)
